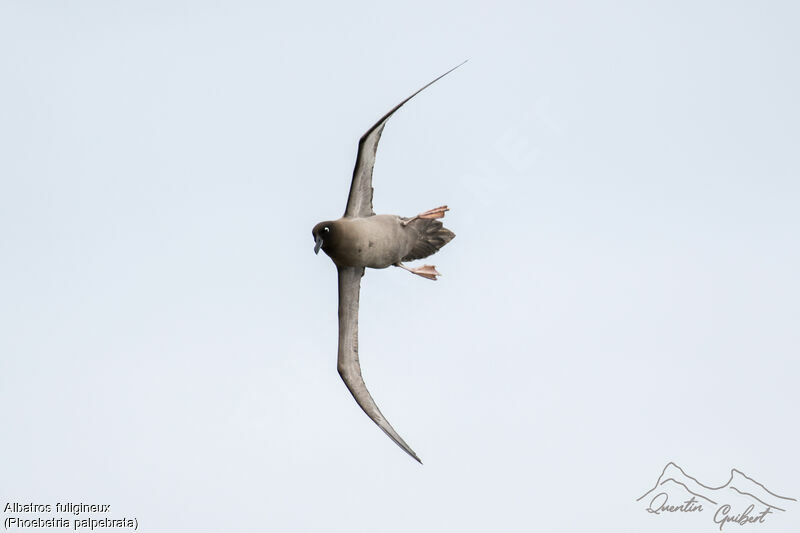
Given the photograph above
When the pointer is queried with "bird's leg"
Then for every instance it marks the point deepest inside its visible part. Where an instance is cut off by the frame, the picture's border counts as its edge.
(436, 212)
(426, 271)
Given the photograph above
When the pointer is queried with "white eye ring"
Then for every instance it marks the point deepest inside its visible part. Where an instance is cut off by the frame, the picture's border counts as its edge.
(326, 229)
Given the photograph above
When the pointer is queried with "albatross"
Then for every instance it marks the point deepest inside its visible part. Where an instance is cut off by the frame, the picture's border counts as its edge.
(361, 239)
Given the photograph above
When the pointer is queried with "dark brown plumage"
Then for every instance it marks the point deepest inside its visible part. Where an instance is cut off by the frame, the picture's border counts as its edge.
(432, 235)
(362, 239)
(380, 241)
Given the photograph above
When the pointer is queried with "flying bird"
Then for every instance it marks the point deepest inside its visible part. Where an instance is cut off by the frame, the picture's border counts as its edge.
(362, 239)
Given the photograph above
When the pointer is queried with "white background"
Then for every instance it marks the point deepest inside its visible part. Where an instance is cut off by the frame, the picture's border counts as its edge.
(623, 289)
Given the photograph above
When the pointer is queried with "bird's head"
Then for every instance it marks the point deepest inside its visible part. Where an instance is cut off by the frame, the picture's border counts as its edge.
(323, 235)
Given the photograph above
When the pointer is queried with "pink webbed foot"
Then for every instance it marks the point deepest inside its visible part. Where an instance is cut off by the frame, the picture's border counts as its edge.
(436, 212)
(426, 271)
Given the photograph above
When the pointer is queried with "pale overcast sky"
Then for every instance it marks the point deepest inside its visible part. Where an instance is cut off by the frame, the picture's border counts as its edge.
(623, 290)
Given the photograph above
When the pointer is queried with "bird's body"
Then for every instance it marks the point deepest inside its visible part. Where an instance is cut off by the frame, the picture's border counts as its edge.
(380, 241)
(361, 239)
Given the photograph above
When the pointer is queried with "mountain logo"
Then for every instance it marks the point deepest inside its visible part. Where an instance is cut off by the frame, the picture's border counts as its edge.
(741, 500)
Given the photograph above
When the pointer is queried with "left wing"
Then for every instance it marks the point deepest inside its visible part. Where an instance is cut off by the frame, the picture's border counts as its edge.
(359, 201)
(348, 364)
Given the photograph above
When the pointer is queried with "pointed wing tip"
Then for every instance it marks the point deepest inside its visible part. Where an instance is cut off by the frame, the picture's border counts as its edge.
(413, 455)
(406, 448)
(449, 71)
(410, 452)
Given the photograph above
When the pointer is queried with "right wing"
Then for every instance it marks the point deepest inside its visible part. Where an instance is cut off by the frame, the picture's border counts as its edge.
(348, 365)
(359, 201)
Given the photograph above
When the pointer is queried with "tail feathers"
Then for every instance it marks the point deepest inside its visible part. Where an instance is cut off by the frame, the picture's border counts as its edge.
(432, 236)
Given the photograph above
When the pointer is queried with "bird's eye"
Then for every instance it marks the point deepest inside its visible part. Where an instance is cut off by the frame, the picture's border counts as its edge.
(326, 229)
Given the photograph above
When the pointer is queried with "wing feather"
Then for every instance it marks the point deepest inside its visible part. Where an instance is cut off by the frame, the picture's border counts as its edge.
(359, 201)
(348, 364)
